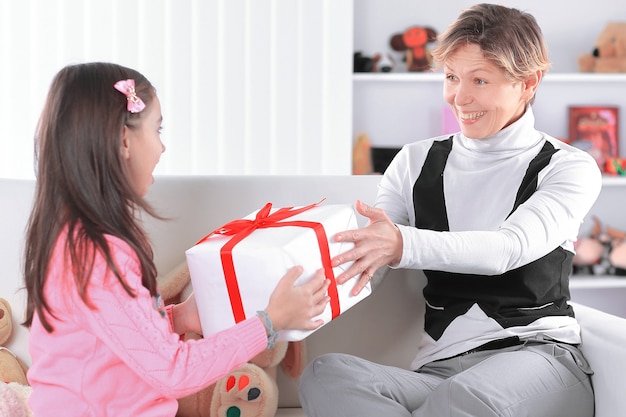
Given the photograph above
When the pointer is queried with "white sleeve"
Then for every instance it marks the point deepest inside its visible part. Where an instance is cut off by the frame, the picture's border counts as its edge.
(551, 216)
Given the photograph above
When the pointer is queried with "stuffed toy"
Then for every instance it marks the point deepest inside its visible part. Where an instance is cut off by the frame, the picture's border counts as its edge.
(14, 400)
(248, 391)
(602, 253)
(362, 63)
(383, 63)
(617, 255)
(590, 251)
(14, 388)
(362, 155)
(377, 63)
(413, 42)
(609, 52)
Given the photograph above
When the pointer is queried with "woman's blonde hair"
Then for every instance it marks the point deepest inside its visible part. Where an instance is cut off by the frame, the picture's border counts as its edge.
(509, 38)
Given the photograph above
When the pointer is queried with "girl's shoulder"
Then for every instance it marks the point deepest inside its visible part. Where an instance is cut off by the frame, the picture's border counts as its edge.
(61, 271)
(120, 254)
(123, 254)
(120, 246)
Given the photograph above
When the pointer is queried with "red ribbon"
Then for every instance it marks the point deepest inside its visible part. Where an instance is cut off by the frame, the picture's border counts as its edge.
(241, 228)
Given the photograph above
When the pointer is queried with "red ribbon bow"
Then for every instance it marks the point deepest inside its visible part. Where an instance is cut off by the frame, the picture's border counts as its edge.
(241, 228)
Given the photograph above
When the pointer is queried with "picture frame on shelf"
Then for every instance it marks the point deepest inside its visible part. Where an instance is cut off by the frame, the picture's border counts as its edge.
(595, 129)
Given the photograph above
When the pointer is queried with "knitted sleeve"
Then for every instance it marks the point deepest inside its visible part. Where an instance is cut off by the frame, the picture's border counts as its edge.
(142, 336)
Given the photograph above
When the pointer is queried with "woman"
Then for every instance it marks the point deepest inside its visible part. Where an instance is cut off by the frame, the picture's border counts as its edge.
(490, 215)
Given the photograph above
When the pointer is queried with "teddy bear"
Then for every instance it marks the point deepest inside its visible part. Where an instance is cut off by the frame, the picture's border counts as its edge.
(603, 252)
(14, 400)
(14, 388)
(248, 391)
(413, 42)
(609, 52)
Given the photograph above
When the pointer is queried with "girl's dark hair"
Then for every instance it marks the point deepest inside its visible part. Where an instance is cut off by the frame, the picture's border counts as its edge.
(82, 182)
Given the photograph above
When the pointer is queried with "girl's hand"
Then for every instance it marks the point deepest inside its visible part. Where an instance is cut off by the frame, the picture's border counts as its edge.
(186, 318)
(292, 307)
(377, 245)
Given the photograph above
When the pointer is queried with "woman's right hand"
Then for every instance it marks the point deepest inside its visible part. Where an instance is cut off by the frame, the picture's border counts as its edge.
(377, 245)
(293, 307)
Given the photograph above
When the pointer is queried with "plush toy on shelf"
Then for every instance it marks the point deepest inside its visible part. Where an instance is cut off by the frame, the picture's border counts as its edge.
(609, 52)
(384, 63)
(362, 155)
(362, 63)
(602, 253)
(381, 62)
(413, 43)
(14, 388)
(617, 257)
(248, 391)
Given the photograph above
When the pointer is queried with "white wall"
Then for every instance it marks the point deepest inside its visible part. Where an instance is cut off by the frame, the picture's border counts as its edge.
(246, 86)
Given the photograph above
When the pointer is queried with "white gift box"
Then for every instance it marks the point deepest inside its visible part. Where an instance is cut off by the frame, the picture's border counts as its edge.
(233, 276)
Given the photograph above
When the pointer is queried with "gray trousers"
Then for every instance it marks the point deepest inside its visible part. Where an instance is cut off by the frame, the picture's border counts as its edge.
(534, 379)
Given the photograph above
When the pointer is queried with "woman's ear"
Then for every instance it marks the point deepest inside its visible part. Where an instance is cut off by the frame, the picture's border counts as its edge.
(125, 146)
(530, 85)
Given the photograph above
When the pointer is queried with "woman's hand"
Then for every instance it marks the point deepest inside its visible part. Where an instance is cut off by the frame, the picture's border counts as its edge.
(186, 318)
(292, 307)
(377, 245)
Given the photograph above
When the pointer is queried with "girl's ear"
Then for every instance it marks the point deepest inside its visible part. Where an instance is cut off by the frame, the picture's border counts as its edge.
(125, 146)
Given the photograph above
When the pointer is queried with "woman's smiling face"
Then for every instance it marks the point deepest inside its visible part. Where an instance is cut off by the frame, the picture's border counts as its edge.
(482, 98)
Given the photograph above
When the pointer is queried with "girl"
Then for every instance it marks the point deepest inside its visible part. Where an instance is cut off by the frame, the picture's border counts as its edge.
(100, 341)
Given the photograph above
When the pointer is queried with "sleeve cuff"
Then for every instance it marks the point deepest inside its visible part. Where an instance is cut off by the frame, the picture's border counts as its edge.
(169, 310)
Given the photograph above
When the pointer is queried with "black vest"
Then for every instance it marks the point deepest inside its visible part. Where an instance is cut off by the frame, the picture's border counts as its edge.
(515, 298)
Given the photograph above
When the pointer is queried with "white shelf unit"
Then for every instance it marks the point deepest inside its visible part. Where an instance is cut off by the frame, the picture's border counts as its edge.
(437, 76)
(604, 293)
(580, 282)
(609, 181)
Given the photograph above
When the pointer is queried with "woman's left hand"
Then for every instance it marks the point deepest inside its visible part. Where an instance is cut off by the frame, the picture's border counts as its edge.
(377, 245)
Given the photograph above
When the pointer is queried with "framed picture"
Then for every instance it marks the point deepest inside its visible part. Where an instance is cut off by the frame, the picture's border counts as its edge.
(595, 130)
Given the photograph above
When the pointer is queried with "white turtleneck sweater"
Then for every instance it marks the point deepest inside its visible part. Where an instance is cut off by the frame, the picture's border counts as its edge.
(481, 179)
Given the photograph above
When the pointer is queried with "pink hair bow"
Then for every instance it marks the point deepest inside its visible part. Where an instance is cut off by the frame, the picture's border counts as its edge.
(127, 87)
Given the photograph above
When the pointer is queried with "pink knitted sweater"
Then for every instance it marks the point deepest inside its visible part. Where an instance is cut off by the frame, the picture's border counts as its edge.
(122, 358)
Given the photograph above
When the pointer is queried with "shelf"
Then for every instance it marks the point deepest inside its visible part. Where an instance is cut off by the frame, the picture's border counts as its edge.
(611, 181)
(411, 77)
(428, 77)
(584, 77)
(596, 282)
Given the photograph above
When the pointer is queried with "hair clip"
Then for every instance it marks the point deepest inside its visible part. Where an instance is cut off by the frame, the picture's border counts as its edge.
(127, 87)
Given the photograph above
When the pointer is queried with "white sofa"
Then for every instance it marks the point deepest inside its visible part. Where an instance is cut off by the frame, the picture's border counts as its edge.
(385, 327)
